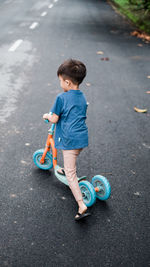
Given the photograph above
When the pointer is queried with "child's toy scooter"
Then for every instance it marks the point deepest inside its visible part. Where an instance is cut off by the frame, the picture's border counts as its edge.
(45, 160)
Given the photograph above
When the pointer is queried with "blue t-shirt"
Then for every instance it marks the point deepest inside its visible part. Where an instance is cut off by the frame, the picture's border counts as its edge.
(71, 130)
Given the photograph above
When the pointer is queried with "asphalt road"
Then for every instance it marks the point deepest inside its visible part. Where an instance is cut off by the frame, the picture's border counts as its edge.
(37, 226)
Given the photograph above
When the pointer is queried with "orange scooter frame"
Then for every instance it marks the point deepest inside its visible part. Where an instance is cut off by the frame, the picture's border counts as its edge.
(50, 145)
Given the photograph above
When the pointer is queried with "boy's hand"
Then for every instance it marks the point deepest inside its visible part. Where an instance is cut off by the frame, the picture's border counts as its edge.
(46, 116)
(52, 118)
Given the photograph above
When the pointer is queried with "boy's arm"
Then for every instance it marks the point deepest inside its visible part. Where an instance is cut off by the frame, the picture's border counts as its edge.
(52, 118)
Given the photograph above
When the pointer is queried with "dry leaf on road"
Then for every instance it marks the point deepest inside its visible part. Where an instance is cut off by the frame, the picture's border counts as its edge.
(137, 194)
(140, 110)
(141, 35)
(100, 52)
(105, 58)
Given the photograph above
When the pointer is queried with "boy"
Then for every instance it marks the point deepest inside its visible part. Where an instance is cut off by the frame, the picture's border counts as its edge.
(69, 114)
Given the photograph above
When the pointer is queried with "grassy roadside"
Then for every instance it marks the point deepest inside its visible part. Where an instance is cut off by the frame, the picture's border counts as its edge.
(139, 17)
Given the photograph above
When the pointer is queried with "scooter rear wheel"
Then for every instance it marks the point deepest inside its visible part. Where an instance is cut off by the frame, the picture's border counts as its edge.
(88, 193)
(48, 162)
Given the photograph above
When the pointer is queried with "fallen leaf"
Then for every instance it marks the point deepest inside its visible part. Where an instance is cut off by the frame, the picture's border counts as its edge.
(148, 92)
(88, 84)
(134, 33)
(27, 144)
(140, 45)
(140, 110)
(13, 195)
(137, 194)
(141, 35)
(148, 77)
(147, 146)
(24, 162)
(105, 58)
(100, 52)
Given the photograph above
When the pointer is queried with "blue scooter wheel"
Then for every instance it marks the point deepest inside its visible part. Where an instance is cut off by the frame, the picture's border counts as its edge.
(88, 193)
(103, 185)
(48, 162)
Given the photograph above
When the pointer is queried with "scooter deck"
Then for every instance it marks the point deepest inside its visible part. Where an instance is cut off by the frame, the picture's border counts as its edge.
(62, 178)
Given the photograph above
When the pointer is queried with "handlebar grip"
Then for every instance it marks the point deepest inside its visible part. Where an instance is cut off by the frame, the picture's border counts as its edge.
(46, 120)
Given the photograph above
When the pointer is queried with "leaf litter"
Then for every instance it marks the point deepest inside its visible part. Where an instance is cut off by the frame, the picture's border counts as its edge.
(141, 35)
(137, 194)
(139, 110)
(105, 58)
(100, 52)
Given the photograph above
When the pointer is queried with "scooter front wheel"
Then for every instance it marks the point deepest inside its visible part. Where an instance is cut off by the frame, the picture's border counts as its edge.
(88, 193)
(48, 162)
(103, 187)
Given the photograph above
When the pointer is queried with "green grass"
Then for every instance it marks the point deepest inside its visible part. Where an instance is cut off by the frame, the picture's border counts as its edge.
(122, 2)
(139, 17)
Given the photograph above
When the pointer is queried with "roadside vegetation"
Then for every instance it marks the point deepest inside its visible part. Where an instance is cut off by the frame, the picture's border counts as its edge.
(138, 11)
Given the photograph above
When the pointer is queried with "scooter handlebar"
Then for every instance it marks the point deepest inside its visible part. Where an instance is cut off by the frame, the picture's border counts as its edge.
(46, 120)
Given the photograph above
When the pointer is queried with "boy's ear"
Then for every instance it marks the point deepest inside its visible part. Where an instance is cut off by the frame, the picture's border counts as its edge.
(67, 82)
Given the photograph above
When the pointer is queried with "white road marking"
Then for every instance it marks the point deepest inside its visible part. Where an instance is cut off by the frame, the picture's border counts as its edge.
(55, 1)
(34, 25)
(50, 6)
(15, 45)
(43, 14)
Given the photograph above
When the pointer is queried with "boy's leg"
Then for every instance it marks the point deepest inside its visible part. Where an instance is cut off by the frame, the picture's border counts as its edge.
(70, 157)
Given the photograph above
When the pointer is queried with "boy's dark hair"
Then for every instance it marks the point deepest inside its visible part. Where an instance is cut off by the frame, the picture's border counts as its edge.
(72, 69)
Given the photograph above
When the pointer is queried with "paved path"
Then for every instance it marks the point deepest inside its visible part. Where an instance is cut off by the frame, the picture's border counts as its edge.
(37, 211)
